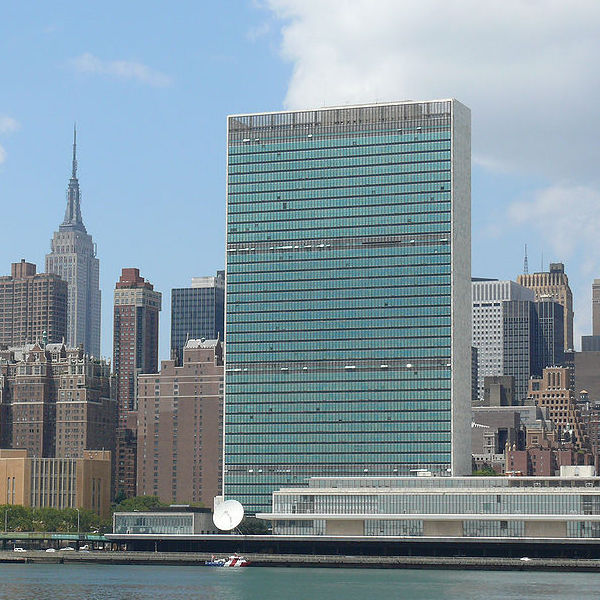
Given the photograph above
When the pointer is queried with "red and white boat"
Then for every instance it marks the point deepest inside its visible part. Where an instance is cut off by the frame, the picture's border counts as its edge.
(233, 561)
(236, 561)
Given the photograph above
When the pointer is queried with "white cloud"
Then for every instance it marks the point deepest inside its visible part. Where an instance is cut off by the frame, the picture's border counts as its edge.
(255, 33)
(567, 219)
(121, 69)
(526, 68)
(8, 124)
(567, 216)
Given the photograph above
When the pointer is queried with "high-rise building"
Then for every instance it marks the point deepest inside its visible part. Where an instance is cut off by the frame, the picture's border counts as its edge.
(135, 351)
(533, 338)
(596, 307)
(553, 284)
(591, 343)
(489, 296)
(56, 401)
(33, 306)
(348, 311)
(73, 257)
(180, 427)
(197, 312)
(548, 348)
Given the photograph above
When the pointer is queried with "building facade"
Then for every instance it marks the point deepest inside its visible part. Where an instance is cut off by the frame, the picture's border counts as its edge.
(56, 401)
(533, 338)
(135, 351)
(180, 427)
(348, 317)
(33, 306)
(552, 391)
(553, 284)
(488, 324)
(197, 312)
(557, 507)
(73, 257)
(56, 482)
(596, 307)
(174, 521)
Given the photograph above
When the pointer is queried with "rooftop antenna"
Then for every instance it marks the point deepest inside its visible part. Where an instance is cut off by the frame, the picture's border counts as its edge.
(74, 169)
(525, 263)
(542, 261)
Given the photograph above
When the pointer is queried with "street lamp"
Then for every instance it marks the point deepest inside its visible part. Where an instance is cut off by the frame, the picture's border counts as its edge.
(77, 520)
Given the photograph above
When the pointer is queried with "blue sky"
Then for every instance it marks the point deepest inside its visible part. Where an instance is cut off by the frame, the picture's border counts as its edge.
(150, 86)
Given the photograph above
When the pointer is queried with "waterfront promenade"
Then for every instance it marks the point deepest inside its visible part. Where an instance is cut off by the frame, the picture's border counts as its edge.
(306, 560)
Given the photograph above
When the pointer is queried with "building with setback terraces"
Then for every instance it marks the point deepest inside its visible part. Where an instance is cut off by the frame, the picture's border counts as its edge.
(73, 258)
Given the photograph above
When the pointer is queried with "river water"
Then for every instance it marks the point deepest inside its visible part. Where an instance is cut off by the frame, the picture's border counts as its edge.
(123, 582)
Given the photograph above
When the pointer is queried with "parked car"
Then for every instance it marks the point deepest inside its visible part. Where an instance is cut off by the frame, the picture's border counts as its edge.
(18, 549)
(67, 548)
(84, 548)
(50, 549)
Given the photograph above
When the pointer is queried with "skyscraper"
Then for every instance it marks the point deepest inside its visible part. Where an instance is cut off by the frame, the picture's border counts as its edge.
(553, 284)
(73, 257)
(533, 339)
(33, 306)
(348, 299)
(197, 312)
(596, 307)
(489, 296)
(135, 351)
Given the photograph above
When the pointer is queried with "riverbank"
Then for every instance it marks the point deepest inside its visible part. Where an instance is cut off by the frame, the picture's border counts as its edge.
(300, 560)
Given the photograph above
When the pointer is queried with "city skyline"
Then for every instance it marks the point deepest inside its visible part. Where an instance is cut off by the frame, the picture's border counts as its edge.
(149, 133)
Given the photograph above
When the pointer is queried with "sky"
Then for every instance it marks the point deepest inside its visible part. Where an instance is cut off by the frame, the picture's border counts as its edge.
(150, 86)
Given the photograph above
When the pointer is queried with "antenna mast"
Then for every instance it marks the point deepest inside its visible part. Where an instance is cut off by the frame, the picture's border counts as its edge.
(525, 263)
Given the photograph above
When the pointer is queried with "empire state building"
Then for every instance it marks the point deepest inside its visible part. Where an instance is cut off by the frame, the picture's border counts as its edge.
(73, 257)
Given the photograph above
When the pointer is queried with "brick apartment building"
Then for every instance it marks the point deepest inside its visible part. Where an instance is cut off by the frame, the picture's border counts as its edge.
(33, 306)
(135, 351)
(180, 427)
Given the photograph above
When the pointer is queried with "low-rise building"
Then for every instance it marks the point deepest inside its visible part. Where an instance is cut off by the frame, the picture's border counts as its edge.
(56, 482)
(523, 507)
(175, 520)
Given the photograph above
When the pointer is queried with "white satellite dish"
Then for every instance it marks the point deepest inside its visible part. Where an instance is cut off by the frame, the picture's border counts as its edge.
(227, 515)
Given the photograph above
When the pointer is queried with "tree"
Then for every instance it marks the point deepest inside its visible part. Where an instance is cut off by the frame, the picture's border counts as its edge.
(141, 503)
(253, 526)
(485, 471)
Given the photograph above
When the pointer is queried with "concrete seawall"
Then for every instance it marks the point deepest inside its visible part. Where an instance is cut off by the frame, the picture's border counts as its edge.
(300, 560)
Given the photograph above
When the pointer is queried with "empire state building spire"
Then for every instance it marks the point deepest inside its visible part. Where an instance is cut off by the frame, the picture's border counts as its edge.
(73, 257)
(73, 218)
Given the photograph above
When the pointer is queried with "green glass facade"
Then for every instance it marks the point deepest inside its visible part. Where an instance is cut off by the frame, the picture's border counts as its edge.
(347, 294)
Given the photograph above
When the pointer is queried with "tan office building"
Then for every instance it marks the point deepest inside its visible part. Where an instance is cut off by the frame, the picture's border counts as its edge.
(56, 482)
(553, 284)
(180, 427)
(552, 391)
